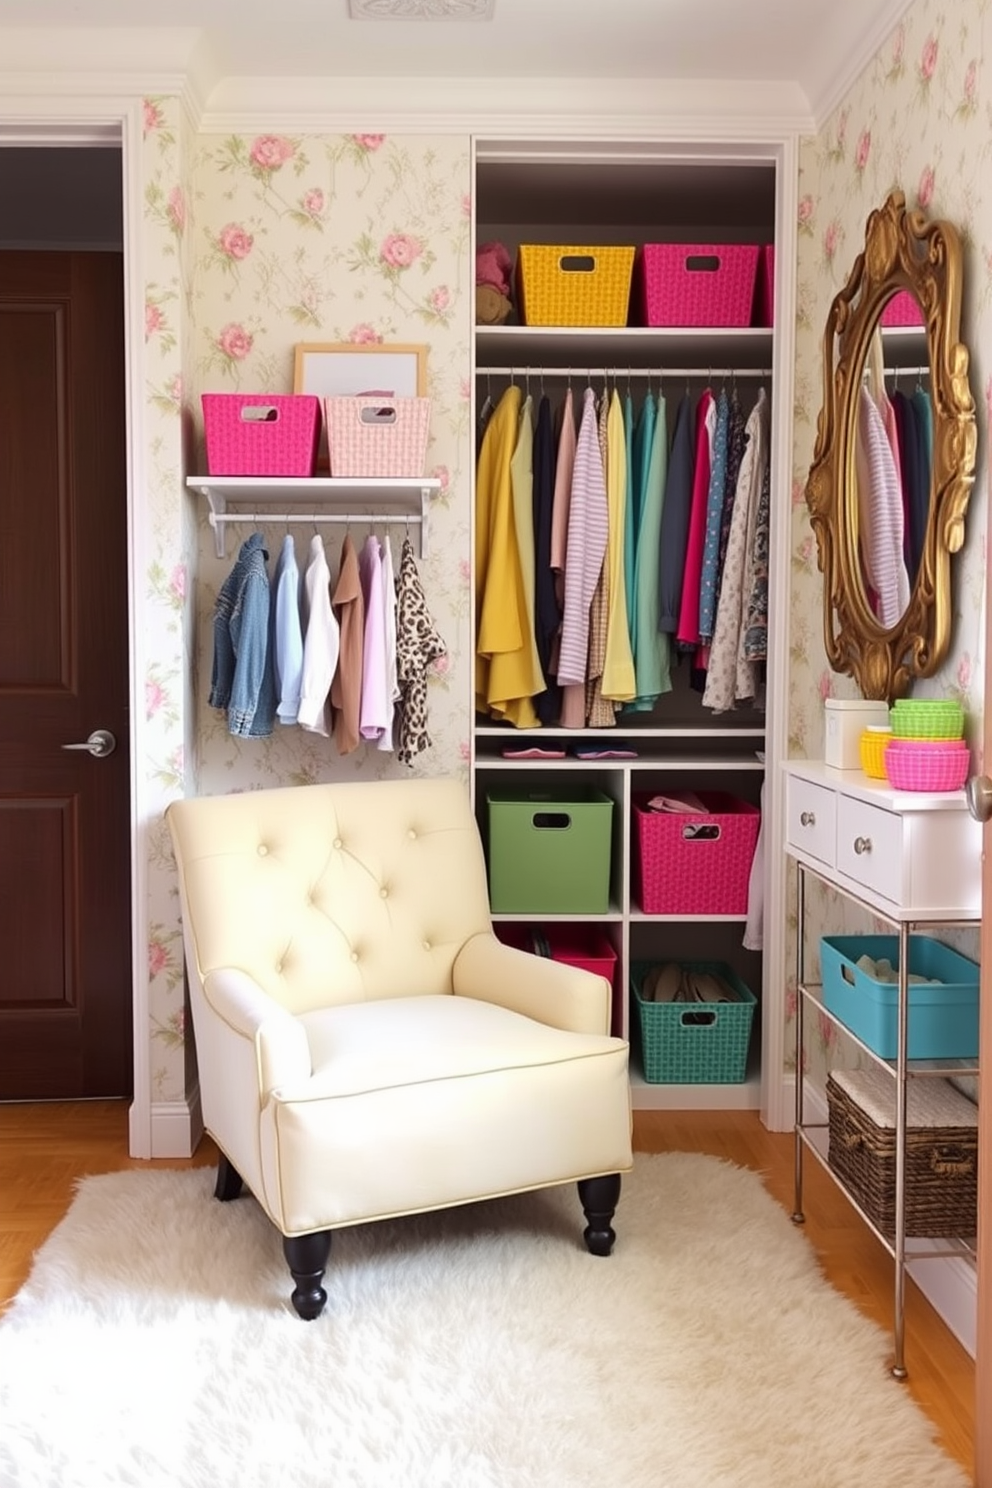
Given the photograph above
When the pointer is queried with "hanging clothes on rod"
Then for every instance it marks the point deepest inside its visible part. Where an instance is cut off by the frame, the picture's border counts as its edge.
(618, 569)
(329, 654)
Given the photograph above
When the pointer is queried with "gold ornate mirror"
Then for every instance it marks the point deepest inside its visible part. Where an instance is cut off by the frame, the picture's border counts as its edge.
(886, 593)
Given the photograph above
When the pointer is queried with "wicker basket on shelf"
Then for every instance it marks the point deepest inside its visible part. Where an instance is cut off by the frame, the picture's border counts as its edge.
(941, 1151)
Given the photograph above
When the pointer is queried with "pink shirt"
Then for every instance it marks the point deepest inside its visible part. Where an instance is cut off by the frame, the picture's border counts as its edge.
(588, 525)
(376, 708)
(688, 627)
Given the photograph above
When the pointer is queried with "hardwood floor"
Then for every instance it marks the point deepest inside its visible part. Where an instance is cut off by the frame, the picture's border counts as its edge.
(45, 1148)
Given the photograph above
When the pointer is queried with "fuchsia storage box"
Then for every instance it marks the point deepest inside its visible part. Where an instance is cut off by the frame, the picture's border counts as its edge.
(695, 863)
(764, 289)
(575, 945)
(698, 284)
(902, 310)
(261, 433)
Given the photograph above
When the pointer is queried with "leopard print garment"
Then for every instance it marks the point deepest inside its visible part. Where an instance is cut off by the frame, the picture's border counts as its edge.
(418, 646)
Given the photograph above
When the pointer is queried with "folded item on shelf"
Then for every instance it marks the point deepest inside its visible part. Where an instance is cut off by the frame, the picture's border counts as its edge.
(533, 751)
(882, 970)
(670, 982)
(588, 753)
(677, 801)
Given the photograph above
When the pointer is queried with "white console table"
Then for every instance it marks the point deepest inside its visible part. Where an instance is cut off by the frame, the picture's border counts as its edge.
(914, 859)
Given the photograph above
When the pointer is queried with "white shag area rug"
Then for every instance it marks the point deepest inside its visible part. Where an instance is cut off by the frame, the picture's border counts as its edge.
(154, 1345)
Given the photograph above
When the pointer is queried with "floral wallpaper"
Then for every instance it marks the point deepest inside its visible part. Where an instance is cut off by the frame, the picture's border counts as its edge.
(916, 120)
(350, 238)
(162, 732)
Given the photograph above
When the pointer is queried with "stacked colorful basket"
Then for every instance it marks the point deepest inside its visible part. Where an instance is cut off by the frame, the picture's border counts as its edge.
(927, 751)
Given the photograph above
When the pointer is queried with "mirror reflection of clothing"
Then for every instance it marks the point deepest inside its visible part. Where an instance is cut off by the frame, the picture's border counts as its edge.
(880, 514)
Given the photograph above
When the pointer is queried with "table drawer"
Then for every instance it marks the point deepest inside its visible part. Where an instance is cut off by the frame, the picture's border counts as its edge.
(870, 847)
(811, 817)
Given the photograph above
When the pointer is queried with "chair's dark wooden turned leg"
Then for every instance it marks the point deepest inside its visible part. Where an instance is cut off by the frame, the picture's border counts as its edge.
(306, 1256)
(229, 1181)
(599, 1198)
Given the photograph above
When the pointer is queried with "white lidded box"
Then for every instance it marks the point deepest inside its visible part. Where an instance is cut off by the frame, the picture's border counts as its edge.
(844, 721)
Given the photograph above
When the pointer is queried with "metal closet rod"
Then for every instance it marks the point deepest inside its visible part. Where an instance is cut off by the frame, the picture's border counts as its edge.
(276, 519)
(614, 372)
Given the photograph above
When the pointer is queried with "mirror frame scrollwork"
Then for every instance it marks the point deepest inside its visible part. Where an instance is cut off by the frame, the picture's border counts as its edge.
(903, 250)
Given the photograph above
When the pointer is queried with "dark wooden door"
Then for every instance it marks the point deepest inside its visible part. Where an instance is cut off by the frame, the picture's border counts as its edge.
(65, 914)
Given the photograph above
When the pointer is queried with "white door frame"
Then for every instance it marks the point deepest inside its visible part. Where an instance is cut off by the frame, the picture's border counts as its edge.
(58, 120)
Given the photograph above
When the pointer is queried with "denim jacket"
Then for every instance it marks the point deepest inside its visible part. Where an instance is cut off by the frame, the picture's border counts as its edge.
(243, 676)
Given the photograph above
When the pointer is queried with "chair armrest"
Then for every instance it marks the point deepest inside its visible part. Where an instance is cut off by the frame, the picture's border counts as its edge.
(549, 991)
(282, 1050)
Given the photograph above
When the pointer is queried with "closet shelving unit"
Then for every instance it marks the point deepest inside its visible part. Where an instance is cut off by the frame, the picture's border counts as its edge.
(315, 501)
(603, 195)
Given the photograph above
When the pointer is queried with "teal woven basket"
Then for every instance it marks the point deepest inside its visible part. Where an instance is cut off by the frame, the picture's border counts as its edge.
(694, 1043)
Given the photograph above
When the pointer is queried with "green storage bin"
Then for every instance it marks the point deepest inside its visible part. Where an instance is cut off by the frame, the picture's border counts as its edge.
(686, 1043)
(549, 853)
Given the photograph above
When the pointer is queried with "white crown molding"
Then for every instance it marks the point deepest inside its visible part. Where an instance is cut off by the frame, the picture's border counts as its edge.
(834, 89)
(495, 105)
(85, 89)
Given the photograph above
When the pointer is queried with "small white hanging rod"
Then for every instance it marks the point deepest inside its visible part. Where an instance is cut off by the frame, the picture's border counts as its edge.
(276, 519)
(617, 373)
(907, 371)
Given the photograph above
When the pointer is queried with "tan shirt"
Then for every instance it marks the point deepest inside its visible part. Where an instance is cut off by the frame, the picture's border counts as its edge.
(346, 689)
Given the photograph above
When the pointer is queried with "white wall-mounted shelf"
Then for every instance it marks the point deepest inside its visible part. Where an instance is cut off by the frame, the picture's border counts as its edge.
(314, 499)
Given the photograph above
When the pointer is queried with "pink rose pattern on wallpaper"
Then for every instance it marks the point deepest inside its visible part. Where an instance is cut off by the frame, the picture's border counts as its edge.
(359, 238)
(914, 120)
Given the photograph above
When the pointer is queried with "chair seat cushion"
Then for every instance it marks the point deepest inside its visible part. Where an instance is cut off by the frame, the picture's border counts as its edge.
(368, 1046)
(419, 1102)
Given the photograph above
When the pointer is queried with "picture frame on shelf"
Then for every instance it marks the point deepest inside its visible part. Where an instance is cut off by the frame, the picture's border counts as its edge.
(350, 368)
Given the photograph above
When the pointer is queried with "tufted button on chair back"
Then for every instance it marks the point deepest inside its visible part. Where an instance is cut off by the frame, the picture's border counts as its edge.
(334, 893)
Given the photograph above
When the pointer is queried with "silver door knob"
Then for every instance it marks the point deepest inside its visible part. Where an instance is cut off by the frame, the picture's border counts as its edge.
(979, 794)
(100, 743)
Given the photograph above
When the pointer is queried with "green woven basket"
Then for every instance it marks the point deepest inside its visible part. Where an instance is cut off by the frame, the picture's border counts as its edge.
(694, 1043)
(927, 718)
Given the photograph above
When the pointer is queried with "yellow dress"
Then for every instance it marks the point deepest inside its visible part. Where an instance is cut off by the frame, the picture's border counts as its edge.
(619, 682)
(505, 680)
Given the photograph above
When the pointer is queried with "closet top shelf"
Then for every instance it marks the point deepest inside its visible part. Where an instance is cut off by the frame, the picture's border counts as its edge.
(634, 346)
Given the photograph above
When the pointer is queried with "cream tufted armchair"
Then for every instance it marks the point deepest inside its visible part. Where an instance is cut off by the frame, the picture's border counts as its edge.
(366, 1046)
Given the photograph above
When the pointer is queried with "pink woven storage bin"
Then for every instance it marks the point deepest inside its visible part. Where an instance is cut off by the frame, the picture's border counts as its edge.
(698, 284)
(764, 289)
(695, 862)
(927, 764)
(261, 433)
(377, 436)
(902, 310)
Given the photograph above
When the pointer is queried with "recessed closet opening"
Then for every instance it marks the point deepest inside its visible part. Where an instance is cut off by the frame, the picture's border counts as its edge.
(652, 719)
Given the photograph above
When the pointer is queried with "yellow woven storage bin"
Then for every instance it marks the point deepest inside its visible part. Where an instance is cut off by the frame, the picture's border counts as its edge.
(574, 285)
(872, 747)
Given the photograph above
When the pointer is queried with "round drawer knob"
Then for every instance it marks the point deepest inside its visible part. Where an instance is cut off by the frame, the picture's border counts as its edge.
(862, 845)
(808, 819)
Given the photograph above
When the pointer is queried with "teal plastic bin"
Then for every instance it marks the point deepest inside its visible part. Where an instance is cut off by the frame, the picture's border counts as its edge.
(685, 1043)
(943, 1018)
(549, 854)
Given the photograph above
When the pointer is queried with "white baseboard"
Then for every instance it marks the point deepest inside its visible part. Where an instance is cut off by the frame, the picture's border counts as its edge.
(176, 1126)
(949, 1283)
